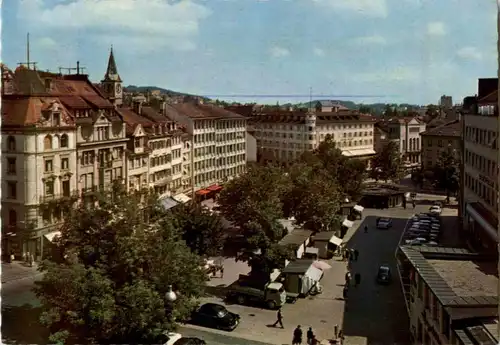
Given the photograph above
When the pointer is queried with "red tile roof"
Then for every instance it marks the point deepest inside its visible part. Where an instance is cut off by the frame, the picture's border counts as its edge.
(450, 129)
(27, 111)
(200, 111)
(132, 119)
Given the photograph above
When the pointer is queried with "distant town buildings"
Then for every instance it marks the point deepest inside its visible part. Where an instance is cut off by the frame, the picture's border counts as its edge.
(406, 133)
(446, 102)
(436, 140)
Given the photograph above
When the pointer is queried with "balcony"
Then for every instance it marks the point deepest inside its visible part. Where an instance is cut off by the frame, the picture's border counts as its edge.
(55, 197)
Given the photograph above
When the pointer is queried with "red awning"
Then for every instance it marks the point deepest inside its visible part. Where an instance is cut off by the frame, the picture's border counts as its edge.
(202, 192)
(214, 188)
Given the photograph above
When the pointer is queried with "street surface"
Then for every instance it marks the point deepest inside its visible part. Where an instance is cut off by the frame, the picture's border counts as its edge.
(373, 314)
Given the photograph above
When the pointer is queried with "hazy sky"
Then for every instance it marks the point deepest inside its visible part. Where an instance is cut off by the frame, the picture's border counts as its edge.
(404, 50)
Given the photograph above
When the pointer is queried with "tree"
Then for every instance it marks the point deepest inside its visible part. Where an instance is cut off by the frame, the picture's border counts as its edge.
(201, 229)
(387, 164)
(363, 109)
(313, 197)
(446, 172)
(432, 111)
(107, 276)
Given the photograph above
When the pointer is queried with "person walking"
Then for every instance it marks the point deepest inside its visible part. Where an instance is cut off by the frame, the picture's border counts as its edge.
(345, 291)
(341, 337)
(357, 279)
(413, 203)
(366, 229)
(297, 336)
(356, 254)
(347, 278)
(336, 331)
(279, 319)
(310, 336)
(347, 254)
(222, 272)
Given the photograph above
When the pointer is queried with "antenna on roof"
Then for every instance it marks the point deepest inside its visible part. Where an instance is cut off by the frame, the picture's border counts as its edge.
(310, 98)
(28, 63)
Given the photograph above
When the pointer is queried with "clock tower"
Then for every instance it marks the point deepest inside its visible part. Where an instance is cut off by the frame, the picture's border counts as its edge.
(112, 83)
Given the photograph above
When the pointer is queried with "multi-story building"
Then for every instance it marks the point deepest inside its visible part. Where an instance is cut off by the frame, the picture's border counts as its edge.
(450, 294)
(219, 141)
(479, 201)
(406, 133)
(68, 137)
(439, 139)
(284, 136)
(380, 137)
(446, 102)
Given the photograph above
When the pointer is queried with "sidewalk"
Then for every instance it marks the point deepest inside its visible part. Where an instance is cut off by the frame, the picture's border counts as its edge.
(17, 270)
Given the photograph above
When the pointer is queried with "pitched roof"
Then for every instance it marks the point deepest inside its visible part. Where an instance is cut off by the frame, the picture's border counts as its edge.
(450, 129)
(491, 98)
(200, 111)
(112, 71)
(132, 119)
(26, 110)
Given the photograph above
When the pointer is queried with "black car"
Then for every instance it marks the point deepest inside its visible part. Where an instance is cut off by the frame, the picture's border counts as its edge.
(215, 316)
(190, 341)
(384, 275)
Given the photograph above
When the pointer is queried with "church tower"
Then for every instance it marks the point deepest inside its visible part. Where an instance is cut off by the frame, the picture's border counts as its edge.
(112, 83)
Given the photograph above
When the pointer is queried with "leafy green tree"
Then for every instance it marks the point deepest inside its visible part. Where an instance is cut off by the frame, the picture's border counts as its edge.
(446, 173)
(387, 164)
(106, 279)
(363, 109)
(432, 111)
(201, 229)
(313, 197)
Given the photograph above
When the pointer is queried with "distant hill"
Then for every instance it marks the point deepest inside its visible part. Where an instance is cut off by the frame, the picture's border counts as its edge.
(167, 92)
(376, 108)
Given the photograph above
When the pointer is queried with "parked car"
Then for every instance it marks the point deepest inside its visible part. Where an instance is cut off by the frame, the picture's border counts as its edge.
(416, 241)
(214, 315)
(384, 223)
(384, 275)
(169, 338)
(190, 341)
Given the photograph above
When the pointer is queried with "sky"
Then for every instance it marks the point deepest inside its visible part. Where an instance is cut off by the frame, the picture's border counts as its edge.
(367, 51)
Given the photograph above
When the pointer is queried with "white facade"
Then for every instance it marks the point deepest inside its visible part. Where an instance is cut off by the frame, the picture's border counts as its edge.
(286, 138)
(406, 133)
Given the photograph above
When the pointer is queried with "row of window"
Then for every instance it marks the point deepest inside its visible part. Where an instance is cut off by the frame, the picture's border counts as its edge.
(103, 155)
(283, 127)
(218, 174)
(481, 163)
(310, 136)
(164, 144)
(226, 124)
(217, 162)
(300, 146)
(440, 143)
(481, 136)
(414, 144)
(483, 190)
(210, 150)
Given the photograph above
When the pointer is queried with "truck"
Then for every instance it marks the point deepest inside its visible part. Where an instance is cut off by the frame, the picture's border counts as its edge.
(251, 289)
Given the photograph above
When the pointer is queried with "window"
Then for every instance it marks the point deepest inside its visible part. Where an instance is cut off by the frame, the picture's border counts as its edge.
(47, 143)
(65, 187)
(49, 188)
(12, 218)
(11, 166)
(57, 119)
(11, 143)
(12, 190)
(64, 140)
(64, 163)
(48, 165)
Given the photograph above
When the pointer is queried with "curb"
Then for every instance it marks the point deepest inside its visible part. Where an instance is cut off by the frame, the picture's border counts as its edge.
(6, 282)
(222, 333)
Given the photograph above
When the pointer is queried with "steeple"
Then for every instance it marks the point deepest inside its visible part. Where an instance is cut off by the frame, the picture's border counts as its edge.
(112, 71)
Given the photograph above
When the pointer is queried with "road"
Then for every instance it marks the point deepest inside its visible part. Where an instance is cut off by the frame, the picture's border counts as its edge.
(218, 338)
(376, 313)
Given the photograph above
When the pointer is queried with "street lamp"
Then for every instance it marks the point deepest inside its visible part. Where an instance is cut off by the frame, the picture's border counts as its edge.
(170, 295)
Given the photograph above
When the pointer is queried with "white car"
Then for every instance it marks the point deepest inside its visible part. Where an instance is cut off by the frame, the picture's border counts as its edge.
(435, 209)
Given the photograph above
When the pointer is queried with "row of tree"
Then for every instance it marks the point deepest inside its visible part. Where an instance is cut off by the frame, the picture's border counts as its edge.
(107, 276)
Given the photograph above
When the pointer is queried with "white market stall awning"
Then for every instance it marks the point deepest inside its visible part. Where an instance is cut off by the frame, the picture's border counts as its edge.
(51, 235)
(168, 203)
(359, 208)
(364, 152)
(335, 240)
(181, 197)
(347, 223)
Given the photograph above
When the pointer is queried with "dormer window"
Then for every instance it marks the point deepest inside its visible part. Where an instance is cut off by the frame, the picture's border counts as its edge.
(138, 142)
(56, 119)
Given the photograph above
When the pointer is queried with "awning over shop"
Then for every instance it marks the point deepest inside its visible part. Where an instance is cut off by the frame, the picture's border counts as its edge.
(168, 203)
(214, 188)
(483, 222)
(347, 223)
(51, 235)
(181, 197)
(359, 208)
(335, 240)
(202, 192)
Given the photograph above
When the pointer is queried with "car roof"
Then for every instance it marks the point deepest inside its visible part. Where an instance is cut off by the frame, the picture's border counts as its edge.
(384, 267)
(214, 306)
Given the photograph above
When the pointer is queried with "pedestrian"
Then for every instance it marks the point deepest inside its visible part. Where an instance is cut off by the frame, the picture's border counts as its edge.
(347, 254)
(345, 291)
(28, 257)
(310, 336)
(366, 229)
(357, 279)
(222, 272)
(314, 341)
(32, 259)
(347, 277)
(356, 254)
(279, 319)
(336, 331)
(413, 203)
(341, 336)
(297, 336)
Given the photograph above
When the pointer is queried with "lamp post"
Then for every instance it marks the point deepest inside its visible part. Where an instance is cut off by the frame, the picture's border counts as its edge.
(170, 295)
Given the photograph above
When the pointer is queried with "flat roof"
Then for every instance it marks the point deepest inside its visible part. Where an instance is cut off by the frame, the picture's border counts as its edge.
(297, 237)
(466, 278)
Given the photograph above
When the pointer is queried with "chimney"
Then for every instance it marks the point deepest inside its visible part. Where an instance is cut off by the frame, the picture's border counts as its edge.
(138, 106)
(78, 67)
